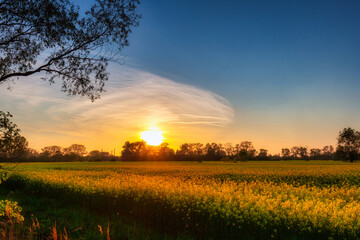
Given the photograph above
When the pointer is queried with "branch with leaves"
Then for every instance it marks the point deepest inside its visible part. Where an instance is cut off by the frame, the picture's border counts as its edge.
(12, 144)
(74, 48)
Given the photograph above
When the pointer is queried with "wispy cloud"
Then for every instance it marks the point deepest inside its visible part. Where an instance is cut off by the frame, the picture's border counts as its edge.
(134, 100)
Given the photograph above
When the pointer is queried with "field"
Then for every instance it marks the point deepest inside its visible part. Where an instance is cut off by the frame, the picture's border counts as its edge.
(186, 200)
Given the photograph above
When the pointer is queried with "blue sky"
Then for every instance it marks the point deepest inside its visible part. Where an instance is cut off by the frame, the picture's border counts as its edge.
(254, 53)
(278, 73)
(286, 63)
(228, 46)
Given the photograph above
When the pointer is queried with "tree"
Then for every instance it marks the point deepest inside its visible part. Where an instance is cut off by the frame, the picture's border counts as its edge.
(76, 48)
(214, 151)
(315, 153)
(32, 153)
(328, 152)
(285, 152)
(295, 152)
(191, 149)
(263, 154)
(185, 149)
(198, 149)
(237, 149)
(229, 149)
(96, 155)
(303, 152)
(242, 156)
(12, 144)
(52, 150)
(134, 151)
(299, 152)
(76, 149)
(165, 152)
(348, 144)
(247, 150)
(247, 146)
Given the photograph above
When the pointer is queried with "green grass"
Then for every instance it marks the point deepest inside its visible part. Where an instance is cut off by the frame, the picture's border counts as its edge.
(80, 223)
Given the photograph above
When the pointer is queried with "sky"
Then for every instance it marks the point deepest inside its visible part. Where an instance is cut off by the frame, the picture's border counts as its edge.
(277, 73)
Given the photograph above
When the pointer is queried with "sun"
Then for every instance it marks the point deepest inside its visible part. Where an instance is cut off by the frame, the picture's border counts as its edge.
(152, 137)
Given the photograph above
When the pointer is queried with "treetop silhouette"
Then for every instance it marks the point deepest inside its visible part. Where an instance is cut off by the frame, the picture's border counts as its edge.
(52, 37)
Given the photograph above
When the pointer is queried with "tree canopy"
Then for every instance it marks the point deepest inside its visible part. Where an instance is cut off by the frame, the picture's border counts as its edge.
(349, 144)
(52, 37)
(12, 144)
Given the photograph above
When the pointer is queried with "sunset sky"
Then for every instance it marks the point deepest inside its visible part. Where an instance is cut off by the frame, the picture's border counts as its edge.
(277, 73)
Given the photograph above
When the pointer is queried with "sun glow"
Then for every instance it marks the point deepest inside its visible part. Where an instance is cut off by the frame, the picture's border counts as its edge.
(152, 137)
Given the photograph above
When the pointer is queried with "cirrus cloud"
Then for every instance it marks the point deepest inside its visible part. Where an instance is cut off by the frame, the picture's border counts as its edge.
(134, 100)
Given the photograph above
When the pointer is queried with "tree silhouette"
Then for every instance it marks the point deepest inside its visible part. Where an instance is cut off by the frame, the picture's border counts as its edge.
(185, 149)
(348, 144)
(285, 153)
(96, 155)
(76, 149)
(328, 152)
(75, 49)
(191, 151)
(295, 152)
(164, 151)
(12, 144)
(246, 151)
(229, 149)
(315, 153)
(214, 151)
(303, 152)
(133, 151)
(52, 150)
(247, 146)
(263, 154)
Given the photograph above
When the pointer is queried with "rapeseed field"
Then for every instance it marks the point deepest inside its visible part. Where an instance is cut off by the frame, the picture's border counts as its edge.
(281, 200)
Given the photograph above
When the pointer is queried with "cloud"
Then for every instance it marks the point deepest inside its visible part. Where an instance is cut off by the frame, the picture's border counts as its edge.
(134, 99)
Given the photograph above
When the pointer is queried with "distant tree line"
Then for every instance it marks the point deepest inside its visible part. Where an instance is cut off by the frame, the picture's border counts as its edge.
(75, 152)
(14, 147)
(245, 151)
(140, 151)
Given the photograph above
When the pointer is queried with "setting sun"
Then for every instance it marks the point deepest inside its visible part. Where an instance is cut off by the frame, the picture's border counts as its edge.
(152, 137)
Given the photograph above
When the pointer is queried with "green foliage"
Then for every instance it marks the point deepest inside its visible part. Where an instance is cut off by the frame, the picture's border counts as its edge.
(11, 142)
(75, 47)
(348, 144)
(80, 223)
(3, 176)
(10, 210)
